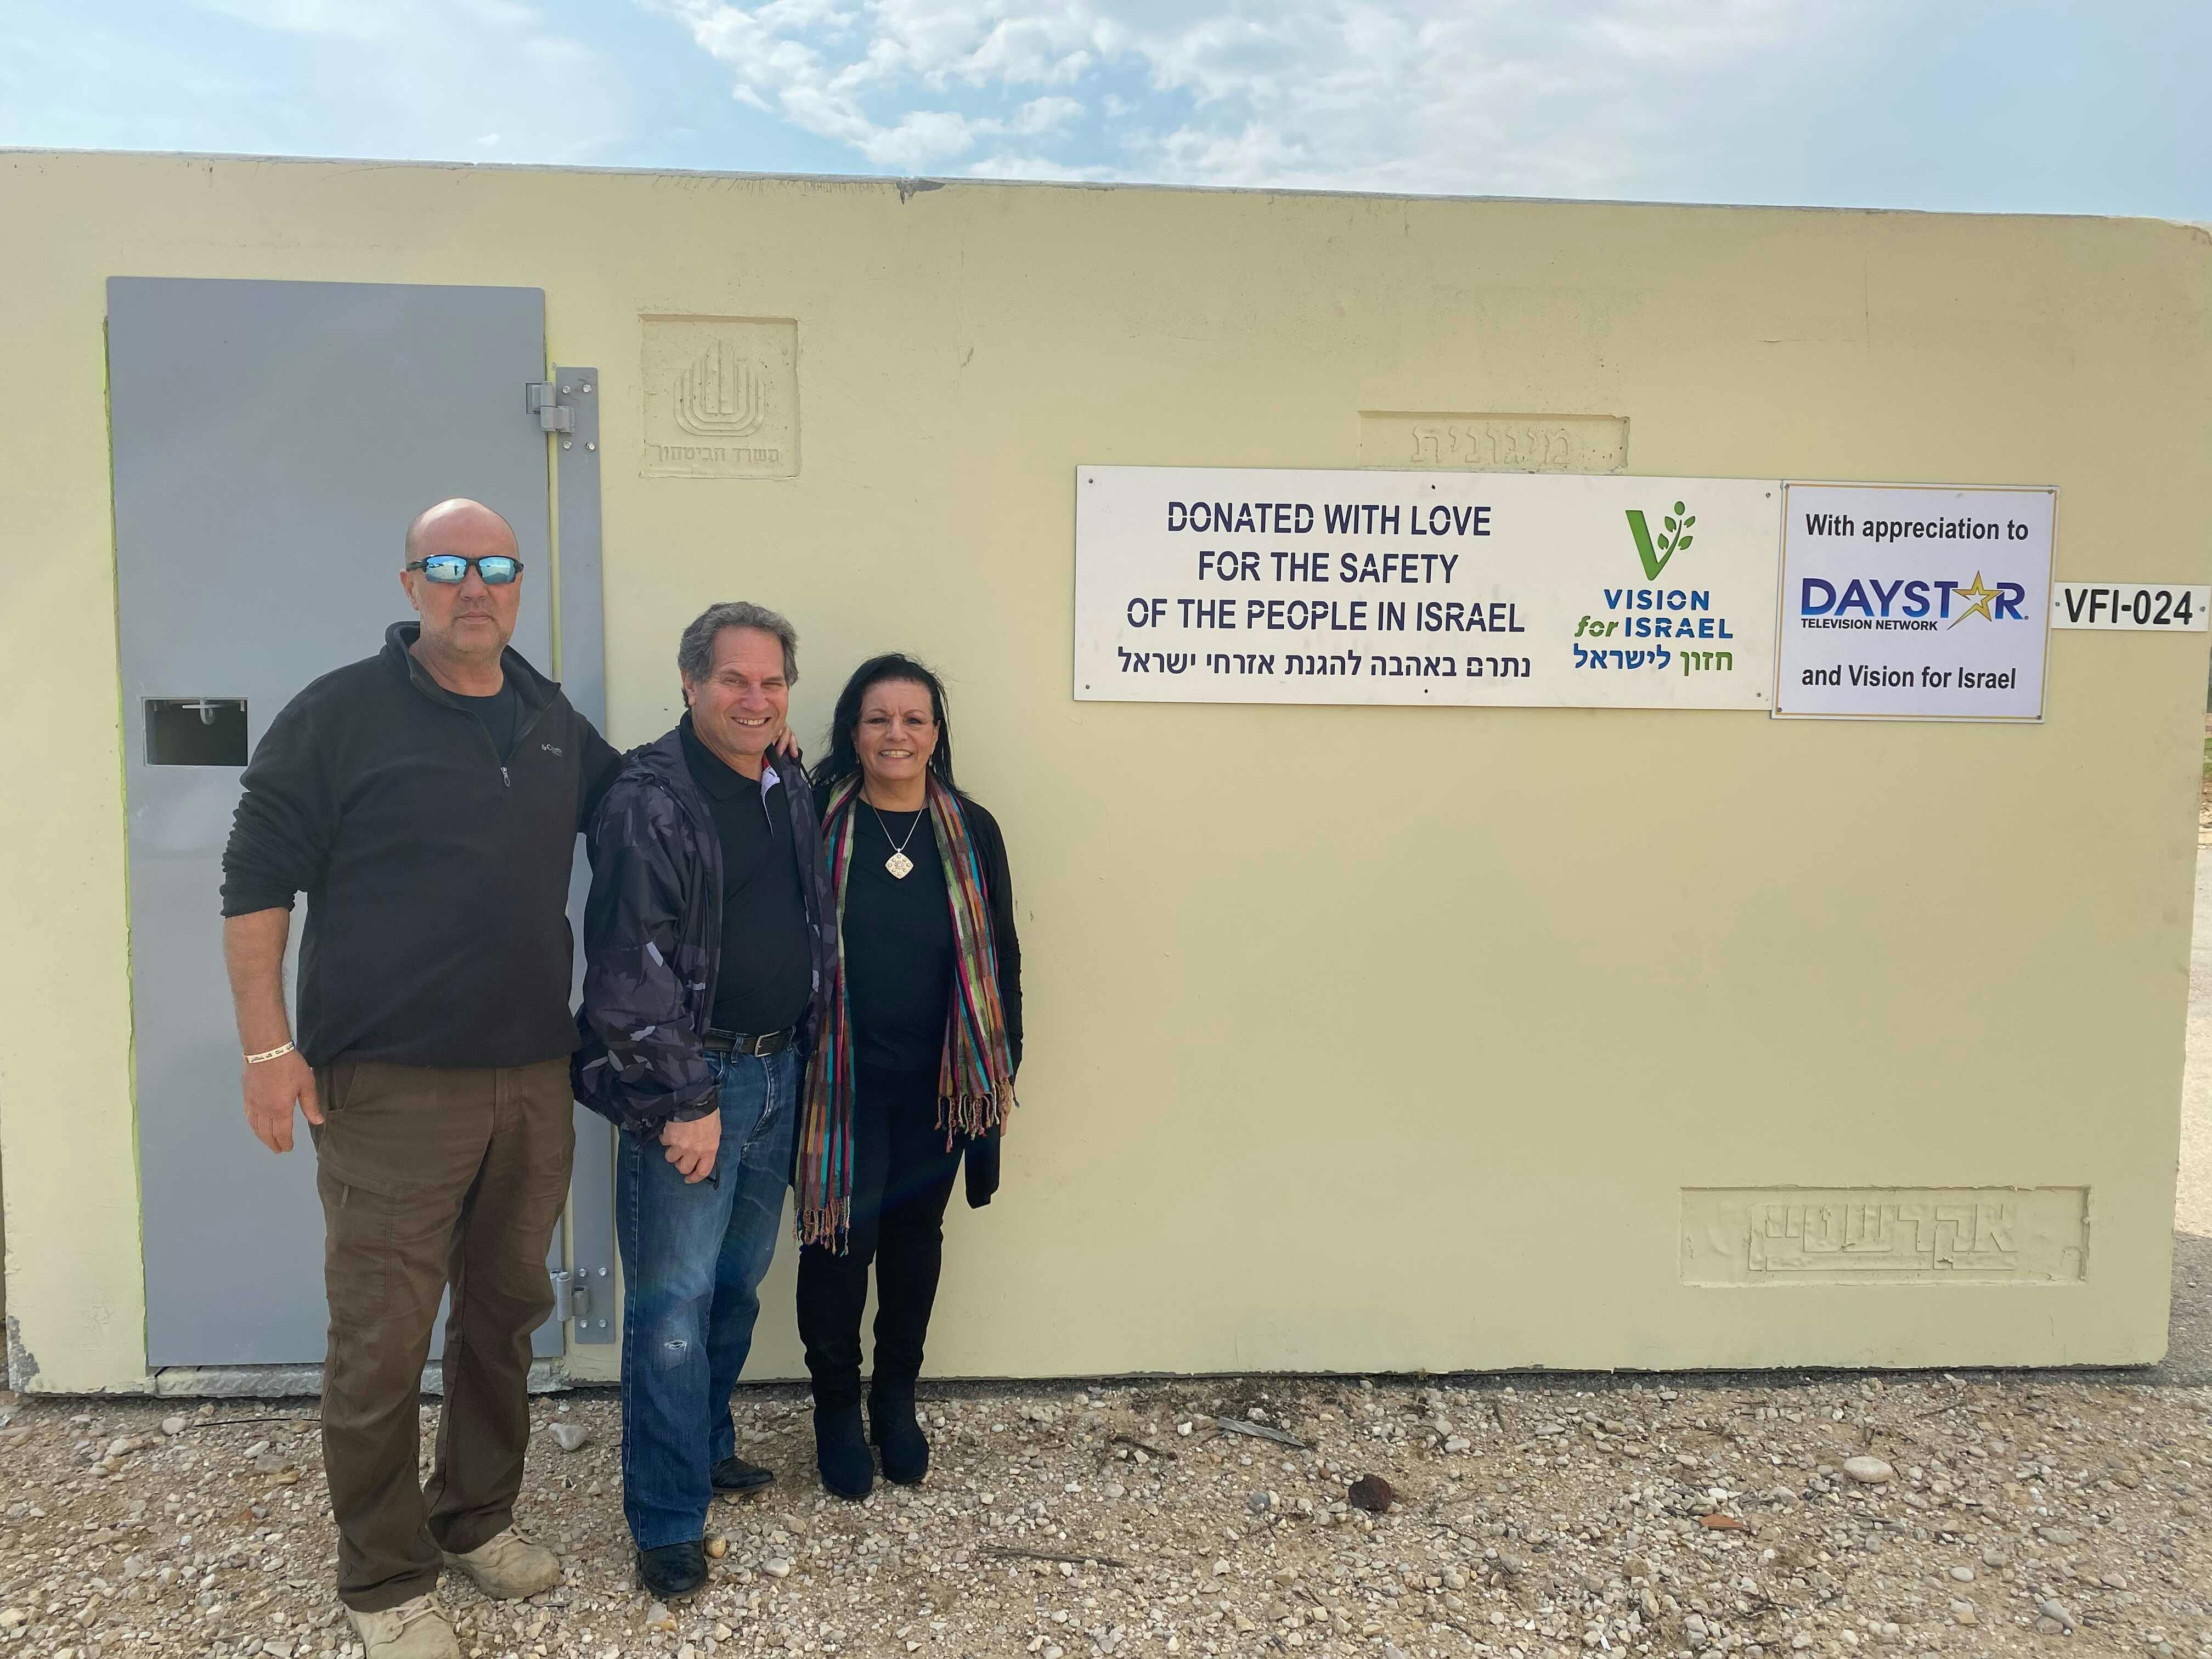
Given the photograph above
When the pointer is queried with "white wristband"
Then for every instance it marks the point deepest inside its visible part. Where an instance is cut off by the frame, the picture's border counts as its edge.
(274, 1054)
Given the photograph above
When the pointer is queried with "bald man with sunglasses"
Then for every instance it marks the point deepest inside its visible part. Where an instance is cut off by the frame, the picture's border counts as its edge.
(427, 800)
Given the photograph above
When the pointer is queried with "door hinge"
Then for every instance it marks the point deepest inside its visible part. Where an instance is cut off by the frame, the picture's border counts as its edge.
(572, 1297)
(543, 400)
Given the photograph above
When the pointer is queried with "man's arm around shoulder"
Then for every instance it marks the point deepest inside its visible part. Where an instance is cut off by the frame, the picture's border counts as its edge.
(599, 764)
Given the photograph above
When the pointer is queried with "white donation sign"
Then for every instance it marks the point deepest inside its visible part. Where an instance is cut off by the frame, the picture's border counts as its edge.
(1914, 602)
(1219, 585)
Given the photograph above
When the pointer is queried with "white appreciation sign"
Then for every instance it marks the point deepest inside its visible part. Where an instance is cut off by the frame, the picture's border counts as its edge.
(1548, 590)
(1914, 602)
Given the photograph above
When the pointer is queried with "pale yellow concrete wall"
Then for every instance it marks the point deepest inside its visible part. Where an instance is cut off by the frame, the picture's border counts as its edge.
(1359, 1037)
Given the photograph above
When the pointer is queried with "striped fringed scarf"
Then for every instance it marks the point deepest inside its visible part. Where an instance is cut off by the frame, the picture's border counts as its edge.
(975, 1078)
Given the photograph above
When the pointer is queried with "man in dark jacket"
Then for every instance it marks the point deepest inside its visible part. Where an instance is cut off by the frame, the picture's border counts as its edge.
(427, 800)
(709, 937)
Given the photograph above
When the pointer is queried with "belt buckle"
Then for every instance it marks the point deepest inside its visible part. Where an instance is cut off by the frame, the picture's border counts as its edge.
(753, 1049)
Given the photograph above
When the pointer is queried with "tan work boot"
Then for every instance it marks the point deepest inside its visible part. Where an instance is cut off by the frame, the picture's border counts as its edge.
(413, 1629)
(509, 1566)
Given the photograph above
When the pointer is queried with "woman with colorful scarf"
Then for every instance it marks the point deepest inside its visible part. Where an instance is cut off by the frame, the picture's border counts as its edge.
(921, 1033)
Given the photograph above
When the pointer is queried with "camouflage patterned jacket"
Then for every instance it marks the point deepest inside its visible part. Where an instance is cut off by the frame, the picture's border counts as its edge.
(653, 937)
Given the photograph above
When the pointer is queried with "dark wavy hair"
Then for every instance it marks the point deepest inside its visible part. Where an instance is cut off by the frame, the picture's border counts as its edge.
(843, 760)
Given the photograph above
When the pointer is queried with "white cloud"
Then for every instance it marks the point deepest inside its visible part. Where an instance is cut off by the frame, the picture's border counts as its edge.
(1013, 164)
(1044, 115)
(1571, 98)
(922, 138)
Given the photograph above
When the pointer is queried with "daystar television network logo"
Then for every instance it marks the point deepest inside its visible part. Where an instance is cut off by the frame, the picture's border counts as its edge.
(1976, 599)
(1655, 552)
(1912, 604)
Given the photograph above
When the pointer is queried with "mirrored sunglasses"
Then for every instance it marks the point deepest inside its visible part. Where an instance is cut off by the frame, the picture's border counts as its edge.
(497, 569)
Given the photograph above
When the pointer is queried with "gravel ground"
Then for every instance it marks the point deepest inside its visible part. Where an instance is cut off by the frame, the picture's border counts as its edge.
(2007, 1515)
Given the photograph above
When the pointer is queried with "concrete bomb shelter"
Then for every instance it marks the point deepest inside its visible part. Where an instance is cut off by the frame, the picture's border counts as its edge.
(1363, 1035)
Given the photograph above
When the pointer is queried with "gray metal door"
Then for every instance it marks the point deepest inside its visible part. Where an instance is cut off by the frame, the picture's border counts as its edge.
(272, 441)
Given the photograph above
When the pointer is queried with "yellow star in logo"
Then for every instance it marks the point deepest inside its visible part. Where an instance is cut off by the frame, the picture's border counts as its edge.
(1981, 597)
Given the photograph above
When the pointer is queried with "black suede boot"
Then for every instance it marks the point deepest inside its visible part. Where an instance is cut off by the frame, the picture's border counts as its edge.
(673, 1570)
(892, 1427)
(733, 1477)
(840, 1450)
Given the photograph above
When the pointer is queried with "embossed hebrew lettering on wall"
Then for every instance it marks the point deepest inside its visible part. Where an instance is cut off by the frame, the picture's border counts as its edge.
(1494, 443)
(720, 397)
(1791, 1235)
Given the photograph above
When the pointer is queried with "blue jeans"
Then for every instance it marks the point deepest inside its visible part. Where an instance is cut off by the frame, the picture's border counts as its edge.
(693, 1256)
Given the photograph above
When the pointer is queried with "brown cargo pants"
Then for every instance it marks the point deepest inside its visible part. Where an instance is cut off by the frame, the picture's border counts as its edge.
(429, 1176)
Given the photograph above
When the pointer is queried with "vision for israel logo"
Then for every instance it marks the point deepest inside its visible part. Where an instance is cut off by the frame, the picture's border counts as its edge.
(1655, 552)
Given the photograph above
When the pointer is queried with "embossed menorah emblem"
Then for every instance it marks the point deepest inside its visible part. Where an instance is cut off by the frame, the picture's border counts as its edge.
(719, 394)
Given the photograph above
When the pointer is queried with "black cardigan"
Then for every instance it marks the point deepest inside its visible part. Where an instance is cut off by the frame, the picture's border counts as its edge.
(982, 1151)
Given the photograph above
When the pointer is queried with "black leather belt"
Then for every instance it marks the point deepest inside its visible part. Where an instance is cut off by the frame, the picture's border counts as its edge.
(737, 1043)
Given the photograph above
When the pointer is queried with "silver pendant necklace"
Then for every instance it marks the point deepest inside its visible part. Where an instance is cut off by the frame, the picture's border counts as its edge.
(898, 863)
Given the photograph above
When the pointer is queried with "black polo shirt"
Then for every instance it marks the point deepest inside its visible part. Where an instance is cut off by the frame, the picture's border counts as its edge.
(766, 973)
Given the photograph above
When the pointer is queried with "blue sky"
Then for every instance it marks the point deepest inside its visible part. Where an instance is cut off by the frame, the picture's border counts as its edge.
(2075, 107)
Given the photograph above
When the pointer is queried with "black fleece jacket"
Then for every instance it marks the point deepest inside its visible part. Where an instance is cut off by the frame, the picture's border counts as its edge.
(436, 869)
